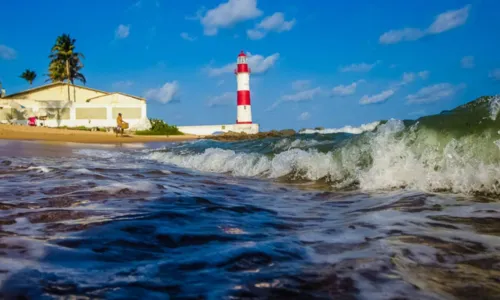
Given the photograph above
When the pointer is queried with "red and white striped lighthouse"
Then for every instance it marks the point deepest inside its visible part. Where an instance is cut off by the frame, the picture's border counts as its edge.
(244, 110)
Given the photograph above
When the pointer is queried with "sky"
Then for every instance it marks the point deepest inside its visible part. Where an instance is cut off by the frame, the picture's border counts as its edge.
(314, 63)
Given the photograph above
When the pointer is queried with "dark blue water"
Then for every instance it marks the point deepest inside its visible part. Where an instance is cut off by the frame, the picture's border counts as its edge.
(112, 223)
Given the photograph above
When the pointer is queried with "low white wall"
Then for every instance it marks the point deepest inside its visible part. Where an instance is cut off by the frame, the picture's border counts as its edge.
(211, 129)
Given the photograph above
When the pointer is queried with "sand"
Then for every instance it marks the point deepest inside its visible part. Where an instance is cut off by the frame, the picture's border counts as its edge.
(27, 133)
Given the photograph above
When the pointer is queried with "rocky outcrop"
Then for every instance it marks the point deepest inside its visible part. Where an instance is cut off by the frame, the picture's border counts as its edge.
(241, 136)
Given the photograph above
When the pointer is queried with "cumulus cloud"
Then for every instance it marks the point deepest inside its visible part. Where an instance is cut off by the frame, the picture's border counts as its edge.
(443, 22)
(167, 93)
(434, 93)
(227, 98)
(361, 67)
(257, 63)
(187, 37)
(304, 116)
(345, 90)
(228, 14)
(299, 85)
(399, 35)
(377, 98)
(122, 84)
(467, 62)
(302, 95)
(424, 74)
(449, 20)
(122, 31)
(495, 74)
(7, 53)
(275, 22)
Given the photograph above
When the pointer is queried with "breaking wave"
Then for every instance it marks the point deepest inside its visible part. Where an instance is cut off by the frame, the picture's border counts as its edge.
(456, 151)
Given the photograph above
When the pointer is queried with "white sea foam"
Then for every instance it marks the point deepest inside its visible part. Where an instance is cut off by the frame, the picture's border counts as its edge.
(41, 169)
(494, 107)
(286, 144)
(346, 129)
(396, 160)
(115, 187)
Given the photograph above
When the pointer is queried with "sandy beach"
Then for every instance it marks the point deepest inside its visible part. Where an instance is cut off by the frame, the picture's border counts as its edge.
(17, 132)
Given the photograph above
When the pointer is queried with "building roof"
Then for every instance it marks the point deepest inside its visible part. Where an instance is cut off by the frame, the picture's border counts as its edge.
(107, 94)
(53, 84)
(242, 53)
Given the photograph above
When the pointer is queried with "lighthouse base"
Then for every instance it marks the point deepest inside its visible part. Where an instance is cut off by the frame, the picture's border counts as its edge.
(214, 129)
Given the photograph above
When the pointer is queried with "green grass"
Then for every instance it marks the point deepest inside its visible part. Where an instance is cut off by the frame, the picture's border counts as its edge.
(159, 127)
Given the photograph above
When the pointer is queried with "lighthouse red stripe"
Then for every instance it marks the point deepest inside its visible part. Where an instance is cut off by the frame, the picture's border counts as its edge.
(242, 68)
(238, 122)
(243, 97)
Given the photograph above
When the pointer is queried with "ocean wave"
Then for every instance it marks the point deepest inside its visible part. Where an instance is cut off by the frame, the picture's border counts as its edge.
(445, 152)
(346, 129)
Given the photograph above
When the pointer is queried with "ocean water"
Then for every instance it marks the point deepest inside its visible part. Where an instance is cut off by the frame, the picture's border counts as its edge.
(395, 209)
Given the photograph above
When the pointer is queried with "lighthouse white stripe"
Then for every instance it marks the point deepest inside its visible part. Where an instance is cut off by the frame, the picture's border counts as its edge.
(244, 113)
(243, 80)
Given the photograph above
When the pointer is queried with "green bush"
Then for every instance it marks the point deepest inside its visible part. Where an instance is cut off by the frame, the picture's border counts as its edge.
(159, 127)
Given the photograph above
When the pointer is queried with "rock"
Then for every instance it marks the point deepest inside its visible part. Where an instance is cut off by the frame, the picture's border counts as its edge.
(240, 136)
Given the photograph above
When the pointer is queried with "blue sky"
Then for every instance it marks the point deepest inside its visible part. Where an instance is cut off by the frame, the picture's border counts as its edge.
(330, 64)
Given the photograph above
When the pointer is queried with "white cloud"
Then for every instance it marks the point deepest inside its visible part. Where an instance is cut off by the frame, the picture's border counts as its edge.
(467, 62)
(228, 14)
(227, 98)
(409, 77)
(122, 84)
(304, 116)
(424, 74)
(434, 93)
(495, 74)
(449, 20)
(399, 35)
(275, 22)
(7, 53)
(165, 94)
(302, 95)
(254, 34)
(443, 22)
(345, 90)
(299, 85)
(362, 67)
(187, 37)
(257, 63)
(122, 31)
(377, 98)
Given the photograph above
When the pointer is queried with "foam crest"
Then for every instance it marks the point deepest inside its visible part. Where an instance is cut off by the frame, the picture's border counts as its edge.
(345, 129)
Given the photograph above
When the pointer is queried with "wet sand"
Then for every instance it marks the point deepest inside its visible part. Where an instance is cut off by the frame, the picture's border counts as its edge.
(13, 132)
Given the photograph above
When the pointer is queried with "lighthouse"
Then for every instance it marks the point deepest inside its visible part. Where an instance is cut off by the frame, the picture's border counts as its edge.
(244, 108)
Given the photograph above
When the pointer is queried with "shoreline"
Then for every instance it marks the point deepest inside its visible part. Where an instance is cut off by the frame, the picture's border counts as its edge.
(26, 133)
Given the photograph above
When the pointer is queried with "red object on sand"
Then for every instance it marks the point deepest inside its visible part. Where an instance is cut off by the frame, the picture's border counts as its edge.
(32, 121)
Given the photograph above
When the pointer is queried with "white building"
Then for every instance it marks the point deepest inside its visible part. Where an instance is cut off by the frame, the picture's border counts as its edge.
(62, 104)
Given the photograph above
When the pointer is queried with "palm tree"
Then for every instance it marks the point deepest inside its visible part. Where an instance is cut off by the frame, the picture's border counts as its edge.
(29, 76)
(65, 63)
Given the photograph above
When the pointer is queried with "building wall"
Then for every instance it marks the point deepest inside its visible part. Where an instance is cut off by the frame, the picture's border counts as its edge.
(129, 112)
(211, 129)
(84, 113)
(71, 114)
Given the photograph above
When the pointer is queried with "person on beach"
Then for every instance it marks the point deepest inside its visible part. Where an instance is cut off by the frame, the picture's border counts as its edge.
(120, 124)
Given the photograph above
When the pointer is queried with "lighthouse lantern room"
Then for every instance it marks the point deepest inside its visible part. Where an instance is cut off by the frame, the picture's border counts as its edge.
(244, 108)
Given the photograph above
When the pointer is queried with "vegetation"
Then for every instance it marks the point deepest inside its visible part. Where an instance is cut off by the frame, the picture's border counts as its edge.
(65, 62)
(29, 76)
(159, 127)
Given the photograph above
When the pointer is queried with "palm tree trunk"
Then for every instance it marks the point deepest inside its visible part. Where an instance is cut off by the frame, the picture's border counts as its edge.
(68, 74)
